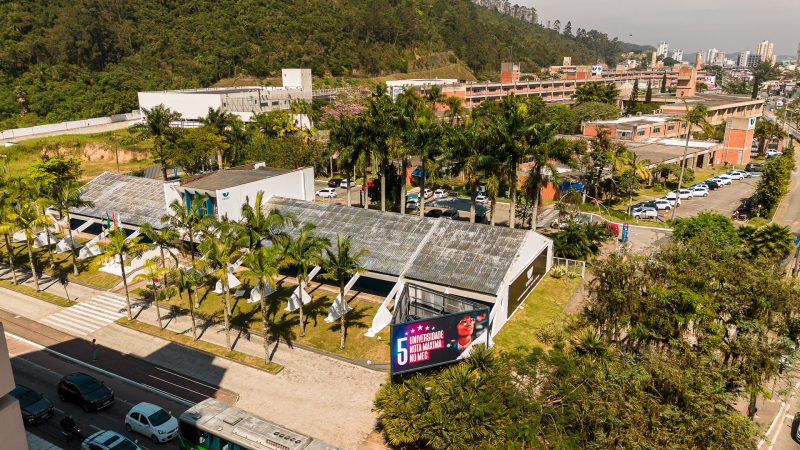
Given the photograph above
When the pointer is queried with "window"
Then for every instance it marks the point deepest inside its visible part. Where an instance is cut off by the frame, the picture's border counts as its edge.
(275, 103)
(657, 130)
(624, 133)
(640, 133)
(670, 127)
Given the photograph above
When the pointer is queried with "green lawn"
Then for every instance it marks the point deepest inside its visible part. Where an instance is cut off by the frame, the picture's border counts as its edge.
(41, 295)
(543, 306)
(318, 333)
(89, 273)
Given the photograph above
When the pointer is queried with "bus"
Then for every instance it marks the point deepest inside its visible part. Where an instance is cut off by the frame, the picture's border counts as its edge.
(213, 425)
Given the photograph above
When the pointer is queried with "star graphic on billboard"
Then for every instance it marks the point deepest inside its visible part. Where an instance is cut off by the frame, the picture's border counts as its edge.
(419, 328)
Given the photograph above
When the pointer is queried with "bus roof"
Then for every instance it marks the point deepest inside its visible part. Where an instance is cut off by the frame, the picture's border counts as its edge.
(247, 430)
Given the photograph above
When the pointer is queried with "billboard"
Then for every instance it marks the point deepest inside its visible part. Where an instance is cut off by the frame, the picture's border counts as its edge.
(519, 289)
(435, 341)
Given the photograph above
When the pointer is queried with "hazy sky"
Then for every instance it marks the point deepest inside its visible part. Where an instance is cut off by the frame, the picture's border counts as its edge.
(691, 25)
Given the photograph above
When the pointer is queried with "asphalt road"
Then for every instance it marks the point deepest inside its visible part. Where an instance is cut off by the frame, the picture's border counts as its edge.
(41, 371)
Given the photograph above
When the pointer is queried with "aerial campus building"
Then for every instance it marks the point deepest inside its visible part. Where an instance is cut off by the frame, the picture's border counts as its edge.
(245, 101)
(436, 266)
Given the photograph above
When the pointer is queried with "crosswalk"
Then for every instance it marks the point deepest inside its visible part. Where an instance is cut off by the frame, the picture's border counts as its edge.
(90, 315)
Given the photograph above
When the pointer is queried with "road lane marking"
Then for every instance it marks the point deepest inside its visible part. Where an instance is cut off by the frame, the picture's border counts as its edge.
(186, 378)
(178, 385)
(146, 387)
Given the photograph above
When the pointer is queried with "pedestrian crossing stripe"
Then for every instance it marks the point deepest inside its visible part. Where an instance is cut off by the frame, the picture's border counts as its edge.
(90, 315)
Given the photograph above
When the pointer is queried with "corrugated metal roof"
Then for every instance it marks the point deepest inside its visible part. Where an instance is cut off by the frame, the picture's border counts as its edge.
(229, 178)
(449, 253)
(139, 200)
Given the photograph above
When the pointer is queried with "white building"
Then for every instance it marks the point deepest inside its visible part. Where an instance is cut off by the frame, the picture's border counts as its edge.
(245, 102)
(663, 49)
(765, 50)
(677, 55)
(396, 87)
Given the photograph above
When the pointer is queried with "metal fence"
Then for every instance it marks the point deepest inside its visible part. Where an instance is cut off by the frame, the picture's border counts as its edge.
(571, 265)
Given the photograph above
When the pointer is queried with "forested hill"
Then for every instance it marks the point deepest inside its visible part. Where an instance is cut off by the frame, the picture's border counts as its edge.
(65, 59)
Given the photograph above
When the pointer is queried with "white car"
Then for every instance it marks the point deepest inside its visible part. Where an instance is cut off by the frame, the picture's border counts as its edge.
(663, 204)
(152, 421)
(108, 440)
(725, 178)
(346, 182)
(772, 152)
(327, 193)
(722, 181)
(735, 175)
(428, 193)
(644, 212)
(412, 203)
(481, 198)
(440, 193)
(699, 191)
(672, 199)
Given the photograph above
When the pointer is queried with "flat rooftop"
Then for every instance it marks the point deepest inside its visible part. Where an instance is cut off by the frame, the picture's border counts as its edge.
(634, 121)
(226, 90)
(138, 200)
(228, 178)
(462, 255)
(662, 150)
(710, 100)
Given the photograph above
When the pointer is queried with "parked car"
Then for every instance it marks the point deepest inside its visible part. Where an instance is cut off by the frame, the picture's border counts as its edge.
(699, 191)
(345, 183)
(440, 193)
(334, 182)
(108, 440)
(672, 199)
(744, 173)
(433, 213)
(451, 214)
(662, 204)
(327, 193)
(721, 181)
(725, 178)
(412, 203)
(711, 185)
(754, 167)
(152, 421)
(35, 407)
(682, 194)
(481, 198)
(773, 152)
(428, 193)
(85, 390)
(735, 175)
(644, 212)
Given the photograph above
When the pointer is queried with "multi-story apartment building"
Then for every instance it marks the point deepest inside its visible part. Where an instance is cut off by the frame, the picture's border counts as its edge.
(12, 430)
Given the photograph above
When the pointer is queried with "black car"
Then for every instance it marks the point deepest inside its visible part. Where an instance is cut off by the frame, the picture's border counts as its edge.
(334, 182)
(87, 391)
(35, 408)
(712, 185)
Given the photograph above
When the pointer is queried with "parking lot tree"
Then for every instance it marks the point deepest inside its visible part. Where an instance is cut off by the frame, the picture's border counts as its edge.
(686, 229)
(340, 265)
(346, 140)
(156, 126)
(465, 152)
(122, 249)
(303, 252)
(772, 241)
(263, 265)
(774, 182)
(410, 107)
(378, 132)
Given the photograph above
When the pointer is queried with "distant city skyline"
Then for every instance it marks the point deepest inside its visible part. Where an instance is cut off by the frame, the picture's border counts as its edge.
(728, 25)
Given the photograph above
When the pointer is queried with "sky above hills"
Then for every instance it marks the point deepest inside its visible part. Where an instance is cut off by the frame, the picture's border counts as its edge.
(729, 25)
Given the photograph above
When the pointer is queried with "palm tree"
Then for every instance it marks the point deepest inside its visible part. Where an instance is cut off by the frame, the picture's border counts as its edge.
(7, 227)
(465, 152)
(303, 252)
(263, 265)
(604, 155)
(546, 149)
(164, 239)
(410, 106)
(187, 280)
(429, 142)
(221, 249)
(640, 171)
(119, 246)
(773, 241)
(64, 197)
(186, 219)
(767, 132)
(455, 110)
(27, 217)
(151, 274)
(596, 92)
(377, 131)
(346, 138)
(259, 225)
(340, 266)
(694, 117)
(156, 125)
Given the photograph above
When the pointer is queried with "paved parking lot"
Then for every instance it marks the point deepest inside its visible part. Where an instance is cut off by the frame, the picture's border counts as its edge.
(724, 200)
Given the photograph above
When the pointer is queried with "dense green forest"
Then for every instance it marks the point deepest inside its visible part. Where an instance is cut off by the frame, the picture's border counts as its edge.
(62, 60)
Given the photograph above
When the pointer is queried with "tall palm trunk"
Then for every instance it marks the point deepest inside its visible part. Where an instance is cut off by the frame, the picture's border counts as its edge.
(164, 265)
(535, 212)
(383, 186)
(264, 321)
(492, 212)
(29, 241)
(219, 159)
(422, 191)
(226, 311)
(512, 211)
(191, 254)
(403, 185)
(49, 247)
(472, 205)
(10, 249)
(125, 283)
(300, 284)
(341, 310)
(350, 180)
(72, 246)
(158, 308)
(366, 188)
(191, 313)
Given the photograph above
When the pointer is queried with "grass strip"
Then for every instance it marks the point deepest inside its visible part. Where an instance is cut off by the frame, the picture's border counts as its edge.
(203, 346)
(41, 295)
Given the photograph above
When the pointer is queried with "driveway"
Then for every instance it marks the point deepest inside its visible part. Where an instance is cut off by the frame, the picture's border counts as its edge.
(724, 200)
